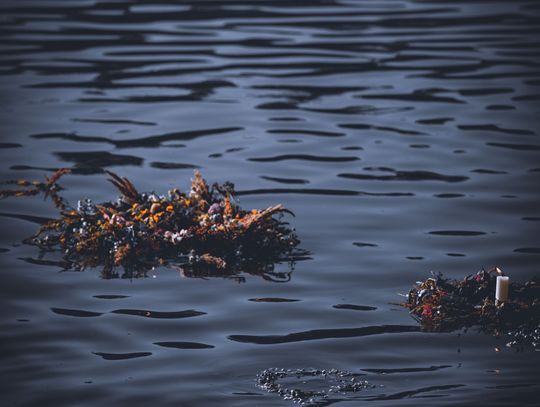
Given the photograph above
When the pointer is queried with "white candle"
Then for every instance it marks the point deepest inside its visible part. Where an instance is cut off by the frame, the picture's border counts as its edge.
(501, 292)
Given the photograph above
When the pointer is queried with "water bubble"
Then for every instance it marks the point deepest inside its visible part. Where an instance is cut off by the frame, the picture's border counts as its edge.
(304, 387)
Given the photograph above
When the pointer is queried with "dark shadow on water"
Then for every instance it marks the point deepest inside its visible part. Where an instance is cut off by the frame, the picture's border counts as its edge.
(75, 312)
(147, 142)
(111, 296)
(317, 191)
(406, 176)
(407, 369)
(273, 299)
(159, 314)
(184, 345)
(460, 233)
(354, 307)
(122, 356)
(415, 393)
(318, 334)
(93, 162)
(438, 99)
(172, 166)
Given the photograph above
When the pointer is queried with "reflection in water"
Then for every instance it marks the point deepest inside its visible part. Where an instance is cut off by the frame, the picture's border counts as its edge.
(415, 392)
(460, 233)
(159, 314)
(184, 345)
(273, 299)
(122, 356)
(75, 312)
(111, 296)
(407, 369)
(146, 142)
(317, 334)
(405, 176)
(355, 307)
(436, 100)
(265, 269)
(93, 161)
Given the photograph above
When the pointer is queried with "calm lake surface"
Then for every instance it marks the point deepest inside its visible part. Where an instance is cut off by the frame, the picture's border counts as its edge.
(403, 134)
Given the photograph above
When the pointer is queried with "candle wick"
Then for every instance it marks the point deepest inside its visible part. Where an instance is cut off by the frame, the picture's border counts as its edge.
(497, 270)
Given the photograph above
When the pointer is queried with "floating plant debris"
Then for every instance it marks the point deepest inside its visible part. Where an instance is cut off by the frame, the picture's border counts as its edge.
(49, 188)
(204, 231)
(311, 387)
(442, 304)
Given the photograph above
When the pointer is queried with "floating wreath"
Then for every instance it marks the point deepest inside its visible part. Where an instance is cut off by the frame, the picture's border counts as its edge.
(204, 230)
(442, 304)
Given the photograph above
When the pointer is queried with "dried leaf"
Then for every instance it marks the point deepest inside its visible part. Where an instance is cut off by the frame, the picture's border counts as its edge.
(210, 260)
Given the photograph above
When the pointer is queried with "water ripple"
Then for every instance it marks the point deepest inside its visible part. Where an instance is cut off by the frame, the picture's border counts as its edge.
(111, 296)
(75, 312)
(122, 356)
(407, 369)
(89, 162)
(285, 180)
(318, 191)
(528, 250)
(514, 146)
(159, 314)
(463, 233)
(414, 393)
(184, 345)
(354, 307)
(407, 176)
(317, 334)
(172, 166)
(402, 134)
(304, 157)
(273, 299)
(149, 141)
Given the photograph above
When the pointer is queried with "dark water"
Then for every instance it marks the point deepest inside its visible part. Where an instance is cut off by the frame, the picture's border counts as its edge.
(403, 134)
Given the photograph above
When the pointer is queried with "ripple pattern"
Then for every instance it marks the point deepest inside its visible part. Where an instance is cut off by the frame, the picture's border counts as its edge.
(403, 134)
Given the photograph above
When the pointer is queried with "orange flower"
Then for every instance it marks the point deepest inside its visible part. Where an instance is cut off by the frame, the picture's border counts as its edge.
(155, 207)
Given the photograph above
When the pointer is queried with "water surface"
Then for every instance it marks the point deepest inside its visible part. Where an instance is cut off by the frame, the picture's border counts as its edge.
(403, 134)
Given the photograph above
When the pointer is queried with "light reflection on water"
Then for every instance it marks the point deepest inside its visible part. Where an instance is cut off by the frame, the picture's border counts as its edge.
(403, 134)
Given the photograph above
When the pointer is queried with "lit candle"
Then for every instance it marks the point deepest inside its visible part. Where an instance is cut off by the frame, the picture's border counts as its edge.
(501, 292)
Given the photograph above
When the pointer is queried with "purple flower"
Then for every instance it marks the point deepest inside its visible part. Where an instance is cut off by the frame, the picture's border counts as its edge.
(215, 208)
